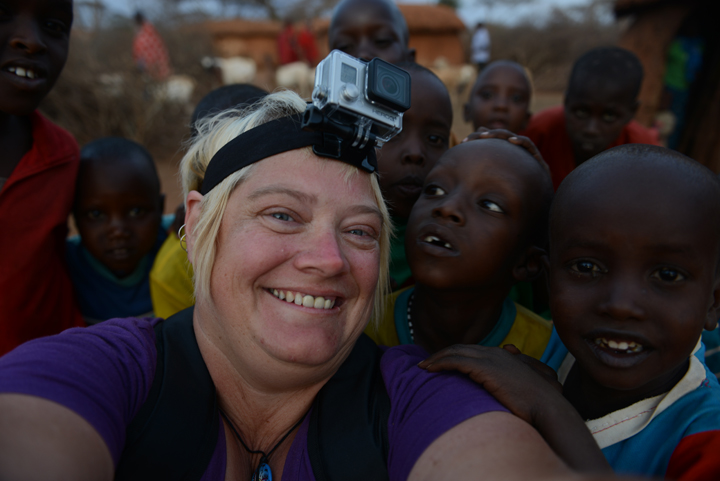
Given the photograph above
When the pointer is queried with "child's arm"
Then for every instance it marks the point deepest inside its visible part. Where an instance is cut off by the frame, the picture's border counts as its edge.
(524, 385)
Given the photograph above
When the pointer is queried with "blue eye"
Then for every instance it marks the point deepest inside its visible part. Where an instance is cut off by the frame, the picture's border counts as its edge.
(358, 232)
(491, 206)
(282, 216)
(667, 274)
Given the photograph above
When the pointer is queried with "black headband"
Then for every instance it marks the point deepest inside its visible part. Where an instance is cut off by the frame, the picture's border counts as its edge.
(278, 136)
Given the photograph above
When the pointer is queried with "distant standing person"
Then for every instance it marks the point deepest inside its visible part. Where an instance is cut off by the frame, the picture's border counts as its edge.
(307, 45)
(480, 46)
(149, 51)
(287, 44)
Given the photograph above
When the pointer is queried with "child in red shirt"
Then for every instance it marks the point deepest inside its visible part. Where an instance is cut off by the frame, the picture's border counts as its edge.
(600, 102)
(37, 175)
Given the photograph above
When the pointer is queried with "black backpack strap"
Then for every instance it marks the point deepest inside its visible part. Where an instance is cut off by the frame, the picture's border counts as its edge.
(347, 435)
(175, 432)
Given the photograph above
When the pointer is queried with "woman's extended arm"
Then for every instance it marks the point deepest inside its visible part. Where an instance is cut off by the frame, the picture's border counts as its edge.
(521, 385)
(490, 446)
(42, 440)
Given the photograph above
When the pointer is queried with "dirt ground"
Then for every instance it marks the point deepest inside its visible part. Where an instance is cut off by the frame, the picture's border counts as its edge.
(168, 167)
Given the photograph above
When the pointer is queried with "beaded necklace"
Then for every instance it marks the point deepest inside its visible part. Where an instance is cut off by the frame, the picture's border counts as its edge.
(262, 472)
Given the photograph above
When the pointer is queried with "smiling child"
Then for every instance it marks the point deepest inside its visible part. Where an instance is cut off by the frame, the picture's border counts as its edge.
(600, 102)
(404, 162)
(634, 256)
(635, 250)
(500, 98)
(38, 167)
(367, 29)
(476, 230)
(118, 212)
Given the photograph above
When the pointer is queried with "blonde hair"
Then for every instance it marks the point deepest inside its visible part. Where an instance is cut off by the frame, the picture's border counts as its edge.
(212, 134)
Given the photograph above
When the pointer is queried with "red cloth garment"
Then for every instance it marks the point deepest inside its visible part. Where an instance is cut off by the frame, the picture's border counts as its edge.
(306, 43)
(149, 52)
(287, 46)
(36, 296)
(547, 131)
(696, 458)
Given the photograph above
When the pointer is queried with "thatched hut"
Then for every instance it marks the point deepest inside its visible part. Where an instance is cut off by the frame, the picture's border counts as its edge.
(654, 25)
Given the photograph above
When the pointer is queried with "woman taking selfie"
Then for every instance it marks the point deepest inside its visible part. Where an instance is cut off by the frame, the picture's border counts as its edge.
(267, 376)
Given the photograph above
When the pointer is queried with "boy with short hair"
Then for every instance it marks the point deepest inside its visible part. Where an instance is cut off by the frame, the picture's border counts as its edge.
(367, 29)
(404, 162)
(600, 102)
(500, 97)
(634, 256)
(477, 229)
(118, 212)
(37, 175)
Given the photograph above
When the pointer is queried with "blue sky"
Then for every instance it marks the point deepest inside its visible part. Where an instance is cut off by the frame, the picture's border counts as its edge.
(469, 11)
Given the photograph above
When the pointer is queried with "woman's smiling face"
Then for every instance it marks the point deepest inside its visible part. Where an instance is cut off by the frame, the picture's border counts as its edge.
(297, 229)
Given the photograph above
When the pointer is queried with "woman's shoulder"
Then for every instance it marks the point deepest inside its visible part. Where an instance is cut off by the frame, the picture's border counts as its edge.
(425, 405)
(405, 380)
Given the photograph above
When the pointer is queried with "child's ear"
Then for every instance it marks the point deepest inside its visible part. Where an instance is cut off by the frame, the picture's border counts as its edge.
(530, 265)
(711, 321)
(525, 123)
(410, 55)
(634, 108)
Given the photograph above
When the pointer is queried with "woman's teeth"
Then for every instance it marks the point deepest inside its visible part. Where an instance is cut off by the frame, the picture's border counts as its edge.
(431, 239)
(21, 72)
(628, 347)
(304, 300)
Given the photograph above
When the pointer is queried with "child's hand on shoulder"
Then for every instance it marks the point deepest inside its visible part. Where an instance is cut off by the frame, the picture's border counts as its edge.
(522, 384)
(524, 142)
(530, 390)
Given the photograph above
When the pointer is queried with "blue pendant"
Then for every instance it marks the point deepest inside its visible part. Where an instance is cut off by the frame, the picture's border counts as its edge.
(262, 473)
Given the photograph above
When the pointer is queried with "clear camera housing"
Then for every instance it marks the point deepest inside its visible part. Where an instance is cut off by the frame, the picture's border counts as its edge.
(372, 95)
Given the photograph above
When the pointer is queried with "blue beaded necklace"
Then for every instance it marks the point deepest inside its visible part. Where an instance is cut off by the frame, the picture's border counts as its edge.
(263, 472)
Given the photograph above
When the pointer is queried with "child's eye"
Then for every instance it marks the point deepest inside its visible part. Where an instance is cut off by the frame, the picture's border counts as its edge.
(437, 140)
(383, 42)
(485, 94)
(667, 274)
(56, 27)
(283, 216)
(136, 212)
(491, 206)
(586, 268)
(434, 190)
(94, 214)
(581, 113)
(518, 99)
(610, 117)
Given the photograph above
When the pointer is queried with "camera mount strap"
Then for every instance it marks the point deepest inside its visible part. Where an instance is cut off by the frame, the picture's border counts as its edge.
(327, 137)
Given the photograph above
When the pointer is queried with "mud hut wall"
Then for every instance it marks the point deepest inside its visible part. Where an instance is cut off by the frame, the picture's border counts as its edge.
(429, 47)
(256, 47)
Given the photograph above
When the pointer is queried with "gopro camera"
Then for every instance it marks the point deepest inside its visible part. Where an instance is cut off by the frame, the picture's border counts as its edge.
(369, 95)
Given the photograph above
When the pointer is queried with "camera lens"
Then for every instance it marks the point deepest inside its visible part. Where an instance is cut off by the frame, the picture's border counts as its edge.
(388, 85)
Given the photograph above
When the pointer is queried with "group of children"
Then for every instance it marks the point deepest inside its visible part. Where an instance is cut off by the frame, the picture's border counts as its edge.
(628, 245)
